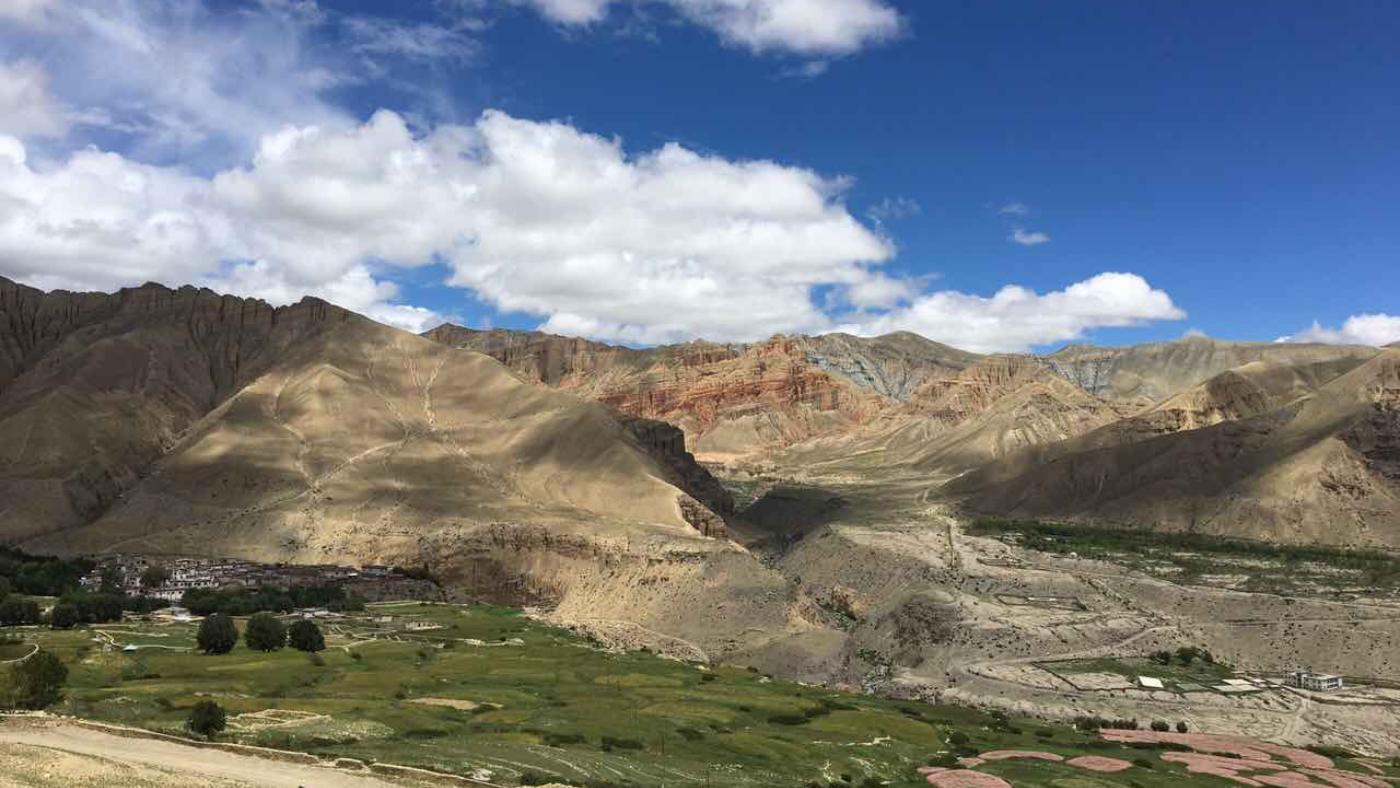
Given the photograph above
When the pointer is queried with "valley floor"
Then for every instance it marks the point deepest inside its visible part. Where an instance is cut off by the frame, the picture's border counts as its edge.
(904, 600)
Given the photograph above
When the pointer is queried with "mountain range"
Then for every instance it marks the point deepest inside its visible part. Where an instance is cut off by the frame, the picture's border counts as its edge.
(182, 420)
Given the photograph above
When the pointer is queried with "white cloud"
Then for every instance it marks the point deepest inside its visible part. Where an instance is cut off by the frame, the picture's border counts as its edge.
(656, 247)
(1014, 209)
(1371, 329)
(28, 11)
(893, 208)
(180, 80)
(534, 217)
(1018, 319)
(571, 12)
(802, 27)
(101, 221)
(425, 42)
(1026, 237)
(26, 108)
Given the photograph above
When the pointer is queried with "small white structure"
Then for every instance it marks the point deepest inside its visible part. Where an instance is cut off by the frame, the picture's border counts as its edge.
(1317, 682)
(1150, 682)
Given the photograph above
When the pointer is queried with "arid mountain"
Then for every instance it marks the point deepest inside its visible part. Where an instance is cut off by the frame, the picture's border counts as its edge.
(731, 400)
(1154, 371)
(95, 387)
(171, 417)
(1194, 433)
(1262, 452)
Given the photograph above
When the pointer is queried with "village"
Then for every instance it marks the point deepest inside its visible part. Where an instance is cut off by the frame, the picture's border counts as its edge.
(183, 573)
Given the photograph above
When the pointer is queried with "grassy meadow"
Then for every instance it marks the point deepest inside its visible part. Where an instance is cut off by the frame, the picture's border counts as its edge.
(490, 693)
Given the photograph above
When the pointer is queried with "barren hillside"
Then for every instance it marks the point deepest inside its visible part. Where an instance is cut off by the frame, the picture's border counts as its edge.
(1287, 465)
(736, 400)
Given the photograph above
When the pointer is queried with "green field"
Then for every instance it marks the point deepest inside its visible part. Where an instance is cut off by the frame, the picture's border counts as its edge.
(548, 706)
(1174, 675)
(1203, 558)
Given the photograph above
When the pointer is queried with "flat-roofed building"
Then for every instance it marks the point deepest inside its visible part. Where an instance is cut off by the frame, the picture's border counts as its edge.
(1317, 682)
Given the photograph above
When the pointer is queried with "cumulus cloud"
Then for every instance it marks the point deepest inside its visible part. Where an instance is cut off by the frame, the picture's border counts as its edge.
(1366, 329)
(1024, 237)
(802, 27)
(1018, 319)
(179, 80)
(26, 108)
(535, 217)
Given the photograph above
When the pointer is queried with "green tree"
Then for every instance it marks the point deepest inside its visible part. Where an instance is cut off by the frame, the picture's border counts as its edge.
(64, 616)
(155, 576)
(206, 719)
(1182, 727)
(4, 588)
(306, 636)
(217, 634)
(265, 633)
(111, 579)
(35, 682)
(17, 612)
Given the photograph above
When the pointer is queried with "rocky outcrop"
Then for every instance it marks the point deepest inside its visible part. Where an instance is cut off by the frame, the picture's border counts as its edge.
(706, 503)
(731, 400)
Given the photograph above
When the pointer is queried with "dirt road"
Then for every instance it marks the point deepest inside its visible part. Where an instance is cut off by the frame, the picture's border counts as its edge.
(53, 752)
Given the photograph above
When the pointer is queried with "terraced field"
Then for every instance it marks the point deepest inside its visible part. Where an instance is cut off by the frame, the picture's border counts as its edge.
(487, 692)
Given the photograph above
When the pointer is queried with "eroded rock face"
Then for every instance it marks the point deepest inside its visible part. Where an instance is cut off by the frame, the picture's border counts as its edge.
(732, 400)
(666, 443)
(95, 387)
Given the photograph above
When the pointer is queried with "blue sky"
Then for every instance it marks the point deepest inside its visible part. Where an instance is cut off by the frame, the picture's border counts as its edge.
(1194, 166)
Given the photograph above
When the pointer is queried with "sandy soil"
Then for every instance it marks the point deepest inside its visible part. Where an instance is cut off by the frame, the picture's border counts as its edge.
(54, 753)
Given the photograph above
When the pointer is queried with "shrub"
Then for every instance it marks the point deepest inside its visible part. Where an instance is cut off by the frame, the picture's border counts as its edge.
(206, 719)
(612, 743)
(563, 739)
(1143, 763)
(64, 616)
(306, 636)
(265, 633)
(959, 739)
(217, 634)
(1182, 727)
(35, 683)
(1160, 726)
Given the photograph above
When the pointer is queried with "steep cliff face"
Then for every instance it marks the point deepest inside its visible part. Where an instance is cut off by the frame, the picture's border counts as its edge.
(731, 400)
(94, 387)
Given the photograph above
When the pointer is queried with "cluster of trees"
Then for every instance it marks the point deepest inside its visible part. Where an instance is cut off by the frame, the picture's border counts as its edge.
(15, 612)
(40, 575)
(35, 682)
(1184, 655)
(244, 602)
(72, 609)
(263, 632)
(1098, 723)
